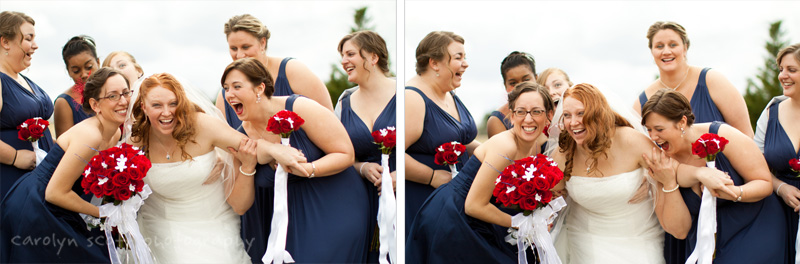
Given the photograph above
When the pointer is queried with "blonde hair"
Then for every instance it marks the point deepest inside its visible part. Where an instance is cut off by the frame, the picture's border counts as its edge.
(543, 76)
(662, 25)
(249, 24)
(107, 60)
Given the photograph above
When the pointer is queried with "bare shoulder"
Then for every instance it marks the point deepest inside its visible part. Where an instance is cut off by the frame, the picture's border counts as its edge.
(81, 134)
(716, 81)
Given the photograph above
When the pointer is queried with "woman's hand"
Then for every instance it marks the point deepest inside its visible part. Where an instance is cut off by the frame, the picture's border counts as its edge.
(372, 172)
(440, 177)
(790, 195)
(662, 168)
(290, 158)
(716, 181)
(26, 159)
(246, 153)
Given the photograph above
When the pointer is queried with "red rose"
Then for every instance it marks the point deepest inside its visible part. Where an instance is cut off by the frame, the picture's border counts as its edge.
(497, 189)
(286, 126)
(459, 147)
(23, 134)
(503, 198)
(87, 181)
(527, 188)
(450, 157)
(97, 190)
(108, 188)
(137, 185)
(514, 196)
(528, 203)
(540, 183)
(273, 126)
(390, 141)
(439, 158)
(795, 165)
(122, 179)
(699, 150)
(36, 132)
(122, 194)
(545, 196)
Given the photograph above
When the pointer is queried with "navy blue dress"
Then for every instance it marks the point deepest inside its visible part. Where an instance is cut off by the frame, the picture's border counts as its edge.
(443, 233)
(36, 231)
(327, 215)
(506, 123)
(367, 151)
(704, 111)
(438, 127)
(19, 105)
(282, 88)
(746, 232)
(778, 150)
(78, 114)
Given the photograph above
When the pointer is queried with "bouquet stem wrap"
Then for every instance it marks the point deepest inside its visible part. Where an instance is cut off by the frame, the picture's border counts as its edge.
(797, 246)
(276, 243)
(123, 216)
(387, 217)
(40, 154)
(453, 170)
(706, 227)
(533, 232)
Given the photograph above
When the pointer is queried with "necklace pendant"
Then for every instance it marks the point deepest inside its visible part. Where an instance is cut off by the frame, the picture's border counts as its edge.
(167, 156)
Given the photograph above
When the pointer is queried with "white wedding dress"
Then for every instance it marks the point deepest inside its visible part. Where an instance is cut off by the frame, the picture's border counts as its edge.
(602, 227)
(184, 221)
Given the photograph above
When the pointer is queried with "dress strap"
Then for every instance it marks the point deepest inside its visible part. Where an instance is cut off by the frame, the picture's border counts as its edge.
(714, 128)
(418, 91)
(282, 69)
(290, 102)
(642, 99)
(702, 79)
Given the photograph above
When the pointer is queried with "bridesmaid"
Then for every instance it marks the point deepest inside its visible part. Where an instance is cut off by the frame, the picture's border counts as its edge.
(80, 57)
(556, 81)
(750, 224)
(778, 135)
(326, 198)
(21, 98)
(48, 199)
(247, 38)
(457, 224)
(370, 108)
(712, 96)
(434, 115)
(516, 68)
(125, 63)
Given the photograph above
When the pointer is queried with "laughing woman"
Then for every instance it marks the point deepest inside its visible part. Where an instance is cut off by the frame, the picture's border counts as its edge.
(80, 57)
(21, 98)
(370, 108)
(46, 198)
(434, 115)
(326, 197)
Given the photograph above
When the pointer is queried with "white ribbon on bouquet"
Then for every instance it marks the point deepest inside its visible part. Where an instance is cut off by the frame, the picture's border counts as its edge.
(387, 217)
(123, 216)
(533, 231)
(276, 243)
(40, 154)
(453, 170)
(706, 227)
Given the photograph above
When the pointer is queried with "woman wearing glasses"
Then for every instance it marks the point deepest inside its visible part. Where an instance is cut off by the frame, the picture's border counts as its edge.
(457, 223)
(43, 203)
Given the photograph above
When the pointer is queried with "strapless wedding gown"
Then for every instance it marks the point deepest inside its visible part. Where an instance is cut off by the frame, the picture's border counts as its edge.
(185, 221)
(602, 227)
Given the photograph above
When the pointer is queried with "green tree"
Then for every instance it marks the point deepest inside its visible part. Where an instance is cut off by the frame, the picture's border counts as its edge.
(337, 81)
(765, 85)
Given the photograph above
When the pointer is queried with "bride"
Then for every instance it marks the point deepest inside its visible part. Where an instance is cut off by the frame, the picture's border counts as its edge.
(190, 216)
(611, 216)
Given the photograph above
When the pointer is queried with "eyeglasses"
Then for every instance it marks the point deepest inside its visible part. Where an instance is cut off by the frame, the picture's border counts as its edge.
(115, 97)
(534, 112)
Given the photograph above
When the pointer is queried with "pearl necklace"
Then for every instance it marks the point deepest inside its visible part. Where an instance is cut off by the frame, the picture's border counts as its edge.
(679, 84)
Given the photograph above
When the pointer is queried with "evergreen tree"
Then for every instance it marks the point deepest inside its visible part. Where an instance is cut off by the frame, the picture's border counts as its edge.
(337, 82)
(766, 85)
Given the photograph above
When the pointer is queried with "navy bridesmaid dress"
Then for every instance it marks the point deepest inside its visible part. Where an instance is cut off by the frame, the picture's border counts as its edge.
(746, 232)
(19, 105)
(502, 117)
(438, 127)
(704, 111)
(282, 88)
(36, 231)
(443, 233)
(778, 150)
(78, 114)
(327, 215)
(367, 151)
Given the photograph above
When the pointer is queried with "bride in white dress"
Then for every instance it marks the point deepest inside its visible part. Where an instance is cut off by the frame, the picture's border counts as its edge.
(611, 217)
(191, 215)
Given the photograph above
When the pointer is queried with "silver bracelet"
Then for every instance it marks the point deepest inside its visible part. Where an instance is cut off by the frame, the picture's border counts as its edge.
(246, 174)
(778, 191)
(313, 171)
(360, 172)
(672, 190)
(741, 192)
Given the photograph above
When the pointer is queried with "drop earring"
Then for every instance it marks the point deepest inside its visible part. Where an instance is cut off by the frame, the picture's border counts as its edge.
(258, 99)
(683, 132)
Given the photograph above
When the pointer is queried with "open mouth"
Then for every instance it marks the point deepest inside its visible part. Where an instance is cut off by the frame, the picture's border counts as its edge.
(787, 84)
(664, 145)
(237, 107)
(578, 132)
(349, 69)
(459, 74)
(530, 129)
(667, 60)
(165, 122)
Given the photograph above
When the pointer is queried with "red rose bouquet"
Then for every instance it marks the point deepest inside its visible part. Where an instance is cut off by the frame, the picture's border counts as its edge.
(525, 185)
(283, 123)
(447, 154)
(116, 175)
(31, 130)
(707, 146)
(387, 218)
(795, 165)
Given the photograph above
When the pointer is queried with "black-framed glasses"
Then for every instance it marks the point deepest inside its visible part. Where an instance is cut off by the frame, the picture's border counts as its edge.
(115, 97)
(534, 112)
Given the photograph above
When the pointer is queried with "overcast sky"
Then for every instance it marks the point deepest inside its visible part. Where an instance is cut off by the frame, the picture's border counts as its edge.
(598, 42)
(186, 38)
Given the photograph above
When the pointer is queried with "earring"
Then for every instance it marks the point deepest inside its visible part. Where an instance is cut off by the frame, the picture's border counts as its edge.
(437, 74)
(683, 132)
(258, 99)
